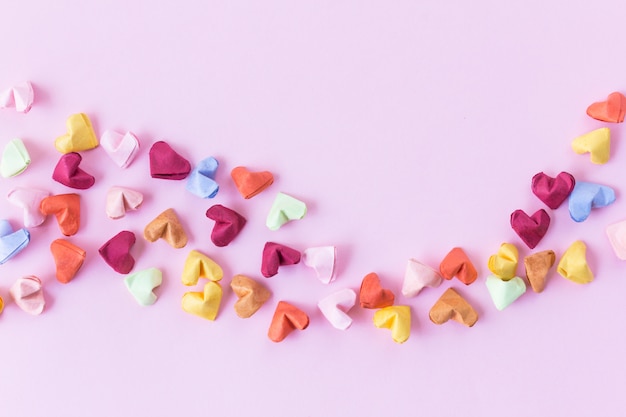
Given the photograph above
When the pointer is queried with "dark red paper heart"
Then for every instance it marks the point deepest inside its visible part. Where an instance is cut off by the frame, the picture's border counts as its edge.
(275, 255)
(228, 224)
(68, 173)
(530, 229)
(116, 252)
(553, 191)
(166, 164)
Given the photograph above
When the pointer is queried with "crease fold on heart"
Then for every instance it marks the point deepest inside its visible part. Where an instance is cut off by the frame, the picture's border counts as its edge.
(66, 209)
(205, 304)
(166, 163)
(335, 307)
(201, 181)
(15, 158)
(285, 320)
(611, 110)
(116, 252)
(141, 285)
(29, 200)
(596, 143)
(372, 295)
(452, 306)
(19, 96)
(284, 210)
(457, 264)
(504, 293)
(537, 267)
(121, 199)
(166, 226)
(503, 264)
(198, 265)
(251, 295)
(553, 191)
(322, 259)
(228, 224)
(121, 147)
(573, 264)
(27, 292)
(417, 276)
(250, 183)
(616, 233)
(68, 259)
(395, 318)
(68, 172)
(79, 136)
(531, 229)
(12, 241)
(276, 255)
(587, 196)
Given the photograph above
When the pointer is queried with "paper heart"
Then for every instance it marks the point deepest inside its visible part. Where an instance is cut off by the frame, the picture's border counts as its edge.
(286, 319)
(275, 255)
(503, 293)
(537, 266)
(204, 304)
(322, 259)
(1, 305)
(198, 265)
(251, 295)
(616, 233)
(335, 307)
(120, 199)
(553, 191)
(417, 276)
(20, 96)
(122, 148)
(457, 264)
(284, 209)
(397, 319)
(68, 172)
(586, 196)
(249, 183)
(66, 208)
(452, 306)
(116, 252)
(141, 285)
(11, 242)
(79, 137)
(611, 110)
(15, 159)
(166, 164)
(27, 292)
(597, 143)
(201, 181)
(166, 226)
(504, 263)
(228, 224)
(372, 294)
(68, 259)
(530, 229)
(573, 264)
(29, 199)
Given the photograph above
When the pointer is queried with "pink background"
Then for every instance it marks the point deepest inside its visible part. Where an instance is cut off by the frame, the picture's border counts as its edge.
(407, 127)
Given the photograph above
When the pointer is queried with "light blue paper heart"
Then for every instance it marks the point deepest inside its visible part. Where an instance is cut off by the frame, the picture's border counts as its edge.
(11, 243)
(201, 181)
(586, 196)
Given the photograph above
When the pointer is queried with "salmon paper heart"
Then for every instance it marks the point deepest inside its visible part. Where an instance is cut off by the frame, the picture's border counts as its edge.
(372, 294)
(249, 183)
(611, 110)
(66, 208)
(286, 319)
(68, 259)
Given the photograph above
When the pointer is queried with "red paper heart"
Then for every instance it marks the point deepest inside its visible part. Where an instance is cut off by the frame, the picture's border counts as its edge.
(116, 252)
(249, 183)
(286, 319)
(612, 109)
(373, 295)
(228, 224)
(275, 255)
(68, 173)
(530, 229)
(553, 191)
(458, 264)
(166, 164)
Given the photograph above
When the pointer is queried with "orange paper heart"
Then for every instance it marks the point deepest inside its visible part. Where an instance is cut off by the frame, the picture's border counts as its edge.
(166, 226)
(286, 319)
(251, 295)
(452, 306)
(372, 294)
(68, 259)
(612, 109)
(249, 183)
(66, 208)
(456, 263)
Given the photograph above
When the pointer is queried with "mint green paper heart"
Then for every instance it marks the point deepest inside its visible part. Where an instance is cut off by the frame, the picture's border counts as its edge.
(15, 159)
(140, 284)
(284, 209)
(503, 293)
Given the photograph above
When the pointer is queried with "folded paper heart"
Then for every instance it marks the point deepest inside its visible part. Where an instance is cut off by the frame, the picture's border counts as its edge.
(68, 172)
(19, 96)
(336, 306)
(68, 259)
(122, 148)
(201, 181)
(198, 265)
(249, 183)
(204, 304)
(504, 263)
(417, 276)
(286, 319)
(120, 199)
(531, 229)
(457, 264)
(166, 226)
(503, 293)
(597, 143)
(397, 319)
(285, 209)
(611, 110)
(251, 295)
(116, 252)
(27, 292)
(276, 255)
(372, 294)
(15, 159)
(166, 164)
(322, 259)
(29, 200)
(553, 191)
(616, 233)
(452, 306)
(66, 208)
(141, 285)
(587, 196)
(573, 264)
(11, 242)
(1, 305)
(79, 137)
(537, 266)
(228, 224)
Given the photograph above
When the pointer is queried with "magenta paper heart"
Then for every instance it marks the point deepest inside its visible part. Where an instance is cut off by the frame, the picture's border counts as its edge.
(228, 224)
(553, 191)
(530, 229)
(68, 173)
(116, 252)
(275, 255)
(166, 164)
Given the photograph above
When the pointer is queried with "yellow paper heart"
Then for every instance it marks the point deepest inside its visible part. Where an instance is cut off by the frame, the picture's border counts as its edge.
(204, 304)
(397, 319)
(597, 143)
(573, 264)
(504, 263)
(79, 137)
(198, 265)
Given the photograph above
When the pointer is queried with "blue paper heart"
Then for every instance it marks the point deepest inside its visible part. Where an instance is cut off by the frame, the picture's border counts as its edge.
(201, 181)
(586, 196)
(11, 243)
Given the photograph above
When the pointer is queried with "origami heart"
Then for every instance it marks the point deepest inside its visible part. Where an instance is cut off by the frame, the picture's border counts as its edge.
(116, 252)
(228, 224)
(121, 148)
(68, 173)
(166, 226)
(457, 263)
(452, 306)
(372, 294)
(586, 196)
(249, 183)
(120, 199)
(29, 200)
(284, 209)
(597, 143)
(553, 191)
(11, 242)
(530, 229)
(201, 181)
(503, 293)
(27, 292)
(66, 208)
(19, 96)
(617, 237)
(68, 259)
(397, 319)
(251, 295)
(322, 260)
(204, 304)
(336, 306)
(286, 319)
(275, 255)
(573, 264)
(417, 276)
(537, 266)
(79, 137)
(504, 263)
(142, 284)
(15, 159)
(197, 266)
(1, 304)
(166, 164)
(611, 110)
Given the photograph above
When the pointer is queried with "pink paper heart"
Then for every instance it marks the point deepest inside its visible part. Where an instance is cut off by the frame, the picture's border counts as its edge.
(122, 148)
(120, 199)
(28, 294)
(29, 200)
